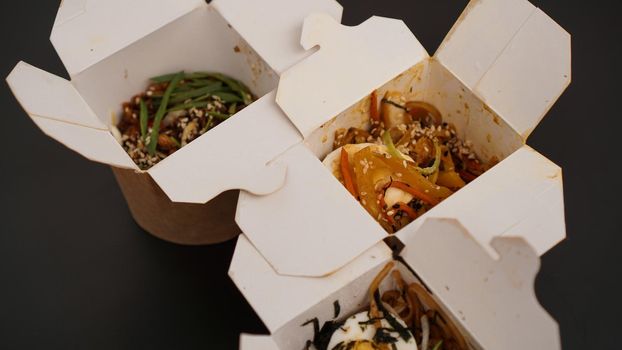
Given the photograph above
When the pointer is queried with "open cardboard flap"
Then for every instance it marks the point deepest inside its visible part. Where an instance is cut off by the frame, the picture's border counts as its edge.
(338, 228)
(514, 197)
(512, 55)
(87, 31)
(278, 299)
(107, 66)
(347, 67)
(314, 215)
(494, 300)
(261, 131)
(272, 32)
(58, 109)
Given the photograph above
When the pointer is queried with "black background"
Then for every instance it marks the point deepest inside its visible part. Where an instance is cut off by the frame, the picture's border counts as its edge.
(77, 272)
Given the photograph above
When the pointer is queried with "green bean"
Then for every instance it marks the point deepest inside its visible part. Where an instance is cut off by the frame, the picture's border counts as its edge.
(144, 117)
(161, 111)
(189, 105)
(183, 96)
(228, 97)
(218, 115)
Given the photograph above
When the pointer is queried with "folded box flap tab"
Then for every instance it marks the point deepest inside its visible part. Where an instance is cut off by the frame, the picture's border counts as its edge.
(279, 300)
(351, 62)
(509, 198)
(94, 144)
(311, 216)
(458, 271)
(272, 28)
(59, 110)
(46, 95)
(257, 342)
(234, 155)
(87, 31)
(512, 55)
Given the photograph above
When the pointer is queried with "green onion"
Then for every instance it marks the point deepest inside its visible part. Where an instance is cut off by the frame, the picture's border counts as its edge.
(228, 97)
(144, 117)
(161, 111)
(189, 105)
(437, 161)
(183, 96)
(438, 345)
(233, 108)
(201, 82)
(208, 125)
(175, 141)
(163, 78)
(388, 141)
(218, 115)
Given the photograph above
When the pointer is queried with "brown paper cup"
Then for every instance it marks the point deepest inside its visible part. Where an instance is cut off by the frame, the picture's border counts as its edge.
(181, 223)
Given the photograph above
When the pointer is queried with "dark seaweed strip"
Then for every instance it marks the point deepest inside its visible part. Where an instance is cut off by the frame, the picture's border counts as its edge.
(403, 331)
(337, 308)
(384, 100)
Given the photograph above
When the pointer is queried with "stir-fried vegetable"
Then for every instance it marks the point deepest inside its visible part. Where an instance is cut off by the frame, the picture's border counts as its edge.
(176, 109)
(421, 162)
(406, 313)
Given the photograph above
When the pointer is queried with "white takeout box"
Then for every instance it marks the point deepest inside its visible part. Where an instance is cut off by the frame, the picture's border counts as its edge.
(111, 47)
(496, 74)
(491, 301)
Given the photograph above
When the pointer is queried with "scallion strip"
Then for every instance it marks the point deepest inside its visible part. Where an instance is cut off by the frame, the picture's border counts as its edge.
(388, 141)
(218, 115)
(438, 345)
(144, 117)
(183, 96)
(437, 161)
(155, 130)
(189, 105)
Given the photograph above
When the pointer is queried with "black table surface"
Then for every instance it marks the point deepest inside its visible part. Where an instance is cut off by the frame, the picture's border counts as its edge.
(77, 272)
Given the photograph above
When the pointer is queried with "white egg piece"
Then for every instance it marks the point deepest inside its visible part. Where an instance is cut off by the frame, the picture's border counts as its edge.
(357, 328)
(394, 195)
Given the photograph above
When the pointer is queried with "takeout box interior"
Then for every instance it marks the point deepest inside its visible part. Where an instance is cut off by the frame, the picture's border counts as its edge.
(112, 48)
(492, 79)
(492, 302)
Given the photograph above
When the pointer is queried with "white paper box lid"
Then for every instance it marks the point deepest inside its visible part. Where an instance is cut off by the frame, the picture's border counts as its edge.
(85, 32)
(512, 55)
(272, 32)
(89, 32)
(494, 299)
(248, 142)
(311, 215)
(262, 286)
(58, 109)
(349, 64)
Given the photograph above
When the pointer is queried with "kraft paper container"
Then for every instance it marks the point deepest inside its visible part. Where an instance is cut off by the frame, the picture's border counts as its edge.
(111, 48)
